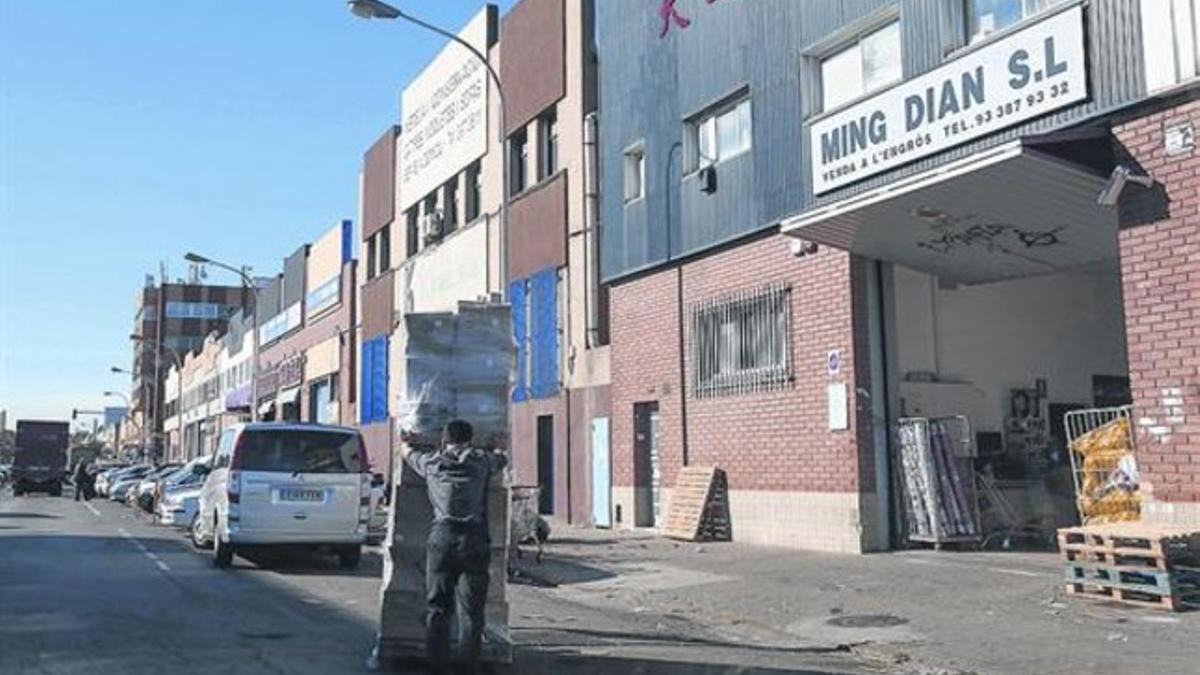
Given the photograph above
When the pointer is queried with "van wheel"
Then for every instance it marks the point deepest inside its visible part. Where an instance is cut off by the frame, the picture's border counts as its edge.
(198, 539)
(349, 557)
(222, 551)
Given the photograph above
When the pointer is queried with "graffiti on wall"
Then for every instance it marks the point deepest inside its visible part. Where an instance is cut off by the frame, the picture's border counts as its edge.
(670, 14)
(1173, 406)
(952, 233)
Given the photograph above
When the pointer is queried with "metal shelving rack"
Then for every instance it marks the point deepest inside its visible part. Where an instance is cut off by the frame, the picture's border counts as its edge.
(941, 502)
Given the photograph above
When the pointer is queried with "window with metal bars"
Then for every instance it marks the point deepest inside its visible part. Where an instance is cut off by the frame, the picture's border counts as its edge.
(742, 343)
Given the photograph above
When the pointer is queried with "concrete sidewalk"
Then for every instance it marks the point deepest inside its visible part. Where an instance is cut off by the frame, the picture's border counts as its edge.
(909, 612)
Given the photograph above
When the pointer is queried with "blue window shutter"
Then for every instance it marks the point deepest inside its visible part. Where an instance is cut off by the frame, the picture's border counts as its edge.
(545, 333)
(364, 399)
(347, 241)
(379, 366)
(516, 294)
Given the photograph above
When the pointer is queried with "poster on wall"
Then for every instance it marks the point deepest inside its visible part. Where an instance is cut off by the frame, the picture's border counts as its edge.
(444, 115)
(1024, 75)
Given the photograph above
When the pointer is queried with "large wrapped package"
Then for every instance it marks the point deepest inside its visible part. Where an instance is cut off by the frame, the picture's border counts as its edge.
(455, 365)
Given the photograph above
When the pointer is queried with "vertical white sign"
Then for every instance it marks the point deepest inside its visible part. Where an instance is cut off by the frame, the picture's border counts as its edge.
(839, 413)
(444, 115)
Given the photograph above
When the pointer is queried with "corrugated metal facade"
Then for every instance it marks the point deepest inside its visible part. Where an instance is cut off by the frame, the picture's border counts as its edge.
(650, 85)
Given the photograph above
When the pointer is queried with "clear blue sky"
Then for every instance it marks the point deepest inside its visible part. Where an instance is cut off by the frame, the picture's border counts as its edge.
(133, 131)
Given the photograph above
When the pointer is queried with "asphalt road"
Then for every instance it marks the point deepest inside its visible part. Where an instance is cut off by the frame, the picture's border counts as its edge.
(96, 588)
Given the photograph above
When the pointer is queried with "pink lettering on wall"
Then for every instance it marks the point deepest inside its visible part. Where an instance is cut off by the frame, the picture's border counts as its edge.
(670, 14)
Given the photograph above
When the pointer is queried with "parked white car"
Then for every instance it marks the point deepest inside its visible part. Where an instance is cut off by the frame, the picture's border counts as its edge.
(105, 478)
(143, 495)
(179, 505)
(377, 525)
(286, 484)
(120, 486)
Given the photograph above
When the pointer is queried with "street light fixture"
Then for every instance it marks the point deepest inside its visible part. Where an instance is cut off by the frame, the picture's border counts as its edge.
(249, 284)
(128, 407)
(178, 378)
(376, 9)
(373, 9)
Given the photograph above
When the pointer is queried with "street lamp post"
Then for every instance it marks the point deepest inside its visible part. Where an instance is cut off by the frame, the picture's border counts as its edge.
(178, 379)
(128, 407)
(376, 9)
(250, 286)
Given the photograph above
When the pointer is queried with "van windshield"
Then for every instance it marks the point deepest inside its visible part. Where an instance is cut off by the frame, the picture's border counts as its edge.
(299, 451)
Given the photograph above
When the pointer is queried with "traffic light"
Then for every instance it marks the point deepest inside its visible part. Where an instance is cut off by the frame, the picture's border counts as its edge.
(74, 413)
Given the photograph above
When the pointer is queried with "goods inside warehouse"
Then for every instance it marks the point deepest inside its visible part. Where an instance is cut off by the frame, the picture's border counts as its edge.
(999, 333)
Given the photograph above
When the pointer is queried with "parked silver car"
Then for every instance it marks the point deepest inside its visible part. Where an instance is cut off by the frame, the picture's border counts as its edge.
(178, 505)
(189, 475)
(119, 486)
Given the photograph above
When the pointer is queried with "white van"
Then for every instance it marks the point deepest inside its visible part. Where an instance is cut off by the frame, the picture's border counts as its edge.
(286, 484)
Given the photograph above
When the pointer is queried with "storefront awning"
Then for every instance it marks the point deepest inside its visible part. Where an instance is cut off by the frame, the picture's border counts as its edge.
(289, 396)
(1014, 211)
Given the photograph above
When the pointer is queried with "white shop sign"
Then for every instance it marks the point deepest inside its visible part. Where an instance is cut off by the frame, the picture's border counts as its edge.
(445, 115)
(1025, 75)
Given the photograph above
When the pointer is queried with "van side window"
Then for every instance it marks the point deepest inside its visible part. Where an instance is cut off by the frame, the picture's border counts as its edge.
(224, 450)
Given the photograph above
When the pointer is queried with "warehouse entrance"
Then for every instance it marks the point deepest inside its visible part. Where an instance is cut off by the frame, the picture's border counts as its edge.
(999, 365)
(996, 306)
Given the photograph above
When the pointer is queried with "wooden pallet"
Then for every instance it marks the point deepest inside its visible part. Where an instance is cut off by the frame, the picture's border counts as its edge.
(1132, 540)
(1132, 563)
(699, 506)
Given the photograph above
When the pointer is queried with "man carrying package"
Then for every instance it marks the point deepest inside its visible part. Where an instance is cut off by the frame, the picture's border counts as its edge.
(458, 551)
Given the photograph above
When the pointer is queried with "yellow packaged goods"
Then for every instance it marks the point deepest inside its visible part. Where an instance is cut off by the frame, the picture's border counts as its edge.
(1112, 437)
(1107, 491)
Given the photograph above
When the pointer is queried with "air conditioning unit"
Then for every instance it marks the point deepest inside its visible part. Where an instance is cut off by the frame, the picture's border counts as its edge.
(433, 227)
(708, 179)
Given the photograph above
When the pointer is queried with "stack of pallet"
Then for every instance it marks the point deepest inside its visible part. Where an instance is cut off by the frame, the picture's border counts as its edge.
(699, 506)
(1133, 563)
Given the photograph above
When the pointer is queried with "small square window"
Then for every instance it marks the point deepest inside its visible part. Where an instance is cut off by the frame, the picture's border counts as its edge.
(871, 62)
(1171, 42)
(474, 191)
(385, 249)
(635, 173)
(411, 231)
(450, 205)
(547, 144)
(718, 136)
(519, 159)
(985, 17)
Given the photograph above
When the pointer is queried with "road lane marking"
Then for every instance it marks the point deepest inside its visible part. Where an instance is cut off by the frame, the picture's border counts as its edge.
(1007, 570)
(158, 562)
(91, 508)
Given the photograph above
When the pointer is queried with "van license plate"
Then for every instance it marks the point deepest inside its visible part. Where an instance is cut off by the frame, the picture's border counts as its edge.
(300, 495)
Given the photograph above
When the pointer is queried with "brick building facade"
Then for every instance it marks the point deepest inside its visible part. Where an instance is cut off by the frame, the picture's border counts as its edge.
(996, 263)
(1160, 271)
(792, 479)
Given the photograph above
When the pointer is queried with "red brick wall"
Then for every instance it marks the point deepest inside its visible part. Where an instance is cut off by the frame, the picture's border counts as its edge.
(776, 440)
(645, 367)
(1160, 268)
